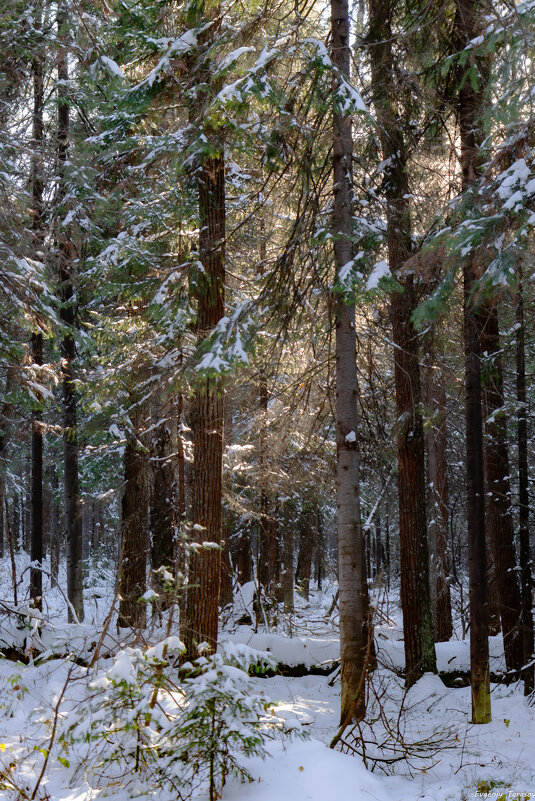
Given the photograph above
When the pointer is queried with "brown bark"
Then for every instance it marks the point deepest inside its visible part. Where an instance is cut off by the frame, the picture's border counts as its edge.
(242, 552)
(437, 449)
(267, 530)
(351, 568)
(306, 549)
(162, 511)
(470, 105)
(36, 536)
(287, 569)
(523, 494)
(498, 509)
(200, 622)
(54, 527)
(36, 546)
(73, 512)
(414, 554)
(134, 527)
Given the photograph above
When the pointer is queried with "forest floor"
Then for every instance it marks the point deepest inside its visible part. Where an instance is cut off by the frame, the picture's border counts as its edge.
(418, 744)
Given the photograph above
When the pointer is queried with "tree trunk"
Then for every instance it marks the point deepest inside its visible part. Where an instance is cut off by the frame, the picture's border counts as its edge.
(36, 547)
(470, 105)
(268, 535)
(523, 493)
(243, 554)
(498, 510)
(414, 553)
(134, 527)
(306, 548)
(162, 507)
(36, 536)
(204, 580)
(287, 572)
(54, 527)
(229, 518)
(73, 512)
(351, 568)
(437, 448)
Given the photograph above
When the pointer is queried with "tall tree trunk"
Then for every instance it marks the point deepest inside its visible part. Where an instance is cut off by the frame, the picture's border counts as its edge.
(55, 538)
(523, 493)
(134, 526)
(162, 506)
(242, 553)
(5, 434)
(306, 548)
(36, 536)
(268, 542)
(351, 568)
(287, 571)
(470, 106)
(73, 511)
(204, 579)
(36, 546)
(414, 553)
(498, 510)
(437, 449)
(229, 518)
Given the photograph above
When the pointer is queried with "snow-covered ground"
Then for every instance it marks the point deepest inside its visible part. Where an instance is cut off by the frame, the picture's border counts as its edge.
(431, 750)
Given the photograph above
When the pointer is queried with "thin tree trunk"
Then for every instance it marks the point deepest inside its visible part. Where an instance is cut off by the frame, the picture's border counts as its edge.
(243, 558)
(470, 104)
(2, 521)
(11, 542)
(287, 572)
(73, 512)
(414, 552)
(54, 527)
(162, 491)
(36, 536)
(268, 537)
(306, 548)
(437, 449)
(351, 568)
(36, 547)
(498, 510)
(4, 440)
(523, 493)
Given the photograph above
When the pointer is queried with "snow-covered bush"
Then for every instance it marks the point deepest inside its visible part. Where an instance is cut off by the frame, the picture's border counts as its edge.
(150, 725)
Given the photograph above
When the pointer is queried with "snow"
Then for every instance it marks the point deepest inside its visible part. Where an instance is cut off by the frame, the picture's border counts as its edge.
(498, 755)
(112, 67)
(307, 770)
(381, 270)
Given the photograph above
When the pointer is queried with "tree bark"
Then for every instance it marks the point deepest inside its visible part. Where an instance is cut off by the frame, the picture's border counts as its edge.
(73, 512)
(54, 527)
(470, 106)
(414, 554)
(498, 510)
(287, 571)
(134, 526)
(204, 580)
(437, 449)
(36, 536)
(268, 535)
(162, 506)
(351, 568)
(306, 548)
(523, 493)
(36, 544)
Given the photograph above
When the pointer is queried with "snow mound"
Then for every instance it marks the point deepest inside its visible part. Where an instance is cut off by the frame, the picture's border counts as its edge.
(307, 771)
